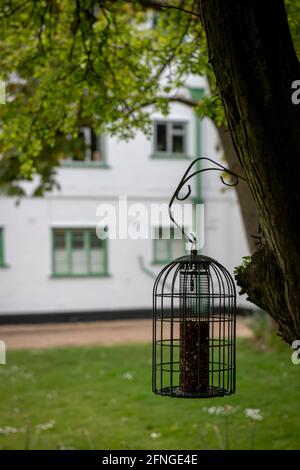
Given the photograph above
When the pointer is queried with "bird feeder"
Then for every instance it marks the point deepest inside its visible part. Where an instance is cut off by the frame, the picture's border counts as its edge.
(194, 320)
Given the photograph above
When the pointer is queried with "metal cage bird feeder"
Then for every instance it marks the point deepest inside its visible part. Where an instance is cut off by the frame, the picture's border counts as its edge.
(194, 320)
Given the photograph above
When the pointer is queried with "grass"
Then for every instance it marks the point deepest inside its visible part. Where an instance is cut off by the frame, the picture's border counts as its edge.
(100, 397)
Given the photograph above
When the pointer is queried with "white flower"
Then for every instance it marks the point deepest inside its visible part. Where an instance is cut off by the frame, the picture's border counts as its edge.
(10, 430)
(215, 410)
(45, 426)
(155, 435)
(253, 413)
(222, 410)
(127, 376)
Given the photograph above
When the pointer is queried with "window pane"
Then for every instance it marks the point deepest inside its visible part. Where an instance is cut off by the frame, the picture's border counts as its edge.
(77, 239)
(154, 19)
(178, 143)
(78, 147)
(97, 262)
(177, 248)
(162, 240)
(61, 261)
(178, 126)
(95, 242)
(60, 252)
(60, 239)
(176, 233)
(79, 254)
(177, 243)
(96, 150)
(161, 138)
(79, 262)
(164, 233)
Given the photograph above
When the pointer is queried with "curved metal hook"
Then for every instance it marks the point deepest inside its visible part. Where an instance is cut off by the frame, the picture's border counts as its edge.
(234, 183)
(186, 177)
(186, 196)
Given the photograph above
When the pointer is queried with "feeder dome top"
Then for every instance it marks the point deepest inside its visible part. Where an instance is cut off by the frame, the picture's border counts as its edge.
(194, 257)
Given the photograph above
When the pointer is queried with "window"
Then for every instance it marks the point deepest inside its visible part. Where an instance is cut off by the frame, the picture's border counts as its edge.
(169, 244)
(2, 257)
(154, 19)
(78, 252)
(86, 148)
(170, 138)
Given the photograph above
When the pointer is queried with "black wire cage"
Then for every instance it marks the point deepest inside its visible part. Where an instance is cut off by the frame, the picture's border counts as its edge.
(194, 321)
(194, 316)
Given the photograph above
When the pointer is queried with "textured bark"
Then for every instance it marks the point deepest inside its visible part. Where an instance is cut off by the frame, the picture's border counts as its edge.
(252, 54)
(245, 198)
(263, 283)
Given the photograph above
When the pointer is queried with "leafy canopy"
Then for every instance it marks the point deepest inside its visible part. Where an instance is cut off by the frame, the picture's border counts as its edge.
(69, 63)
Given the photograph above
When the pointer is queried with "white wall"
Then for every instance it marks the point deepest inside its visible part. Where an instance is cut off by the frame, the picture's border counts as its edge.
(26, 285)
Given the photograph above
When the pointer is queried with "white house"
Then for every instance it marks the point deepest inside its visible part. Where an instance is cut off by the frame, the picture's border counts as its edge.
(51, 260)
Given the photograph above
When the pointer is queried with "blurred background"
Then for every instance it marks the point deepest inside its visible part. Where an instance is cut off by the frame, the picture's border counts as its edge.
(75, 309)
(54, 263)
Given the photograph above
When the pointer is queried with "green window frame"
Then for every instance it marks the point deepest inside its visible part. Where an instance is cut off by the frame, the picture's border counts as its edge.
(2, 253)
(170, 139)
(167, 249)
(78, 252)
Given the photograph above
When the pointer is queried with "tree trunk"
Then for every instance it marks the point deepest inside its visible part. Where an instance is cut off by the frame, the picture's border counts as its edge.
(252, 54)
(245, 198)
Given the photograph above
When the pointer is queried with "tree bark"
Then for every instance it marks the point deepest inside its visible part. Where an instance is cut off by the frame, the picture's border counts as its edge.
(252, 54)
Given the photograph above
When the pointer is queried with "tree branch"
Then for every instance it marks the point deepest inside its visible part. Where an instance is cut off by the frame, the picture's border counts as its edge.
(173, 99)
(160, 6)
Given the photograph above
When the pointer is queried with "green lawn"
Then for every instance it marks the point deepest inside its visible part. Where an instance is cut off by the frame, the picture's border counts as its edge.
(100, 397)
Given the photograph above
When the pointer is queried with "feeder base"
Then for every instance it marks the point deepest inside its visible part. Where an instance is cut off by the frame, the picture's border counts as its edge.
(177, 392)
